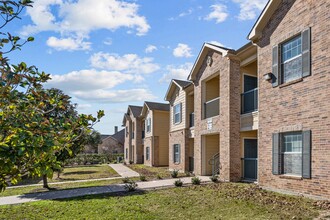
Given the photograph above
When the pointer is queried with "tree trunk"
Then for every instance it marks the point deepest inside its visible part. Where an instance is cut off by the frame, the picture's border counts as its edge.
(45, 181)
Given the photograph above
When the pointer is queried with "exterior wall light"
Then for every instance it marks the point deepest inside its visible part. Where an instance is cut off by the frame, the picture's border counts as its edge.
(267, 76)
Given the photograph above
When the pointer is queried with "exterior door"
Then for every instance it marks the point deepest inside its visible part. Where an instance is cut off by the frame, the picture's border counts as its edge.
(250, 159)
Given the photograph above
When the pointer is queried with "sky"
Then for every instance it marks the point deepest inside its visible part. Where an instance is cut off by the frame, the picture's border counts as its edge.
(108, 54)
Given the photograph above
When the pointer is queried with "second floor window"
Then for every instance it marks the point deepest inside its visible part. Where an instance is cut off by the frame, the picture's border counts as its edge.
(148, 124)
(177, 113)
(291, 61)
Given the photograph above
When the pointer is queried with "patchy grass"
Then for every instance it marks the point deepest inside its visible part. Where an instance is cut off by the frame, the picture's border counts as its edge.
(214, 201)
(153, 173)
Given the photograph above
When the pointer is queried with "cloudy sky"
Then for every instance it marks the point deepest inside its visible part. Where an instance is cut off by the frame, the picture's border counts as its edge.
(107, 54)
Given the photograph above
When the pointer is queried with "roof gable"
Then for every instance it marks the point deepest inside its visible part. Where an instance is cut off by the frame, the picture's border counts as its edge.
(175, 83)
(201, 56)
(154, 106)
(263, 19)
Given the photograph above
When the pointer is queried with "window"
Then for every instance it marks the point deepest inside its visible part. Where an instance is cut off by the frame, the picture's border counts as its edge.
(177, 113)
(292, 153)
(126, 153)
(133, 128)
(147, 153)
(176, 153)
(148, 124)
(126, 129)
(291, 60)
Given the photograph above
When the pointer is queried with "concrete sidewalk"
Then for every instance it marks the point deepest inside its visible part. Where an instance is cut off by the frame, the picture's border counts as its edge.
(124, 171)
(70, 193)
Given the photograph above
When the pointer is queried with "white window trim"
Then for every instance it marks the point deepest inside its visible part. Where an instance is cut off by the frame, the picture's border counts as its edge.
(180, 113)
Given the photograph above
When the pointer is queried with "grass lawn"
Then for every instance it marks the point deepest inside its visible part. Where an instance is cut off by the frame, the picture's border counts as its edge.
(69, 174)
(213, 201)
(152, 173)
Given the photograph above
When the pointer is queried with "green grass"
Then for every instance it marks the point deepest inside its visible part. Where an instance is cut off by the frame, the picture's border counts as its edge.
(69, 174)
(152, 173)
(214, 201)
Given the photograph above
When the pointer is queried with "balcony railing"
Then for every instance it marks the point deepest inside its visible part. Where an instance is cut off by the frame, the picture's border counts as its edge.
(191, 119)
(249, 101)
(211, 108)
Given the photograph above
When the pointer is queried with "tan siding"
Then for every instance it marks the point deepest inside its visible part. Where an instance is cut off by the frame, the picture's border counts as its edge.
(161, 129)
(178, 97)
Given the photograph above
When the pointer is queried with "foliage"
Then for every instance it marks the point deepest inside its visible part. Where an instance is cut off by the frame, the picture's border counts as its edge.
(178, 183)
(126, 180)
(195, 180)
(143, 178)
(32, 136)
(159, 176)
(131, 186)
(93, 140)
(214, 178)
(174, 173)
(84, 159)
(131, 162)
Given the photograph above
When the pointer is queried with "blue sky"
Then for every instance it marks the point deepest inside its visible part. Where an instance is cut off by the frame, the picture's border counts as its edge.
(107, 54)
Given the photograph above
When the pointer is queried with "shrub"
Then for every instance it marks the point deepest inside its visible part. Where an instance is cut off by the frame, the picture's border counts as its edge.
(143, 178)
(131, 162)
(126, 180)
(174, 173)
(130, 186)
(159, 177)
(125, 163)
(196, 181)
(178, 183)
(214, 178)
(188, 174)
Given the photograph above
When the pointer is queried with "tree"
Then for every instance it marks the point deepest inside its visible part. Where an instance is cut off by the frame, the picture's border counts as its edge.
(94, 139)
(32, 136)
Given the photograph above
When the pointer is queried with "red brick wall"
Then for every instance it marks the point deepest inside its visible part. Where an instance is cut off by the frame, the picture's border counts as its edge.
(304, 105)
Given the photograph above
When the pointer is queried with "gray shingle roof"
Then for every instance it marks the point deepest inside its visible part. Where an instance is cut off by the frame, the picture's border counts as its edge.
(182, 83)
(119, 136)
(136, 110)
(158, 106)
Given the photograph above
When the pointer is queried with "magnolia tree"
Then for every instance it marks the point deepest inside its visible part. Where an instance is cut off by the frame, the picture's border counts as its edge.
(38, 127)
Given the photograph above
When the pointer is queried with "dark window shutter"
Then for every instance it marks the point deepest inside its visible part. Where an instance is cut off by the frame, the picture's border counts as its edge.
(276, 154)
(179, 149)
(275, 69)
(305, 49)
(174, 153)
(306, 154)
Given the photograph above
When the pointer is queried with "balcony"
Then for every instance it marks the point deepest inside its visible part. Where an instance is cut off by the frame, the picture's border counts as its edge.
(211, 108)
(191, 119)
(249, 101)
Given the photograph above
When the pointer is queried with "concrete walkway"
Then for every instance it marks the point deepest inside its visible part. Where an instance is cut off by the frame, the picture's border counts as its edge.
(70, 193)
(123, 170)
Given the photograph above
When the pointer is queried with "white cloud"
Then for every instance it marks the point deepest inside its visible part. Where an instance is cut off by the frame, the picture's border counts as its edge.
(182, 50)
(108, 41)
(130, 63)
(249, 9)
(88, 80)
(150, 48)
(116, 96)
(176, 72)
(79, 18)
(69, 44)
(83, 106)
(219, 13)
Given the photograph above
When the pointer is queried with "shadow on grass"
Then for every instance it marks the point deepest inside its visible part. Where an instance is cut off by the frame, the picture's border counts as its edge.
(82, 193)
(78, 173)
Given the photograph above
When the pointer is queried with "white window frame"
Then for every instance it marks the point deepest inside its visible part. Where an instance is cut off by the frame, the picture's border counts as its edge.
(147, 153)
(148, 125)
(177, 111)
(176, 153)
(284, 152)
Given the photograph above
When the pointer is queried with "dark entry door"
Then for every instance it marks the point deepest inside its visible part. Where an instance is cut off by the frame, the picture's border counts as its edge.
(250, 159)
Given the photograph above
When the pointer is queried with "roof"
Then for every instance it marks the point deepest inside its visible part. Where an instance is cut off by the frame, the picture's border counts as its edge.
(155, 106)
(104, 136)
(204, 51)
(119, 136)
(263, 19)
(176, 83)
(136, 110)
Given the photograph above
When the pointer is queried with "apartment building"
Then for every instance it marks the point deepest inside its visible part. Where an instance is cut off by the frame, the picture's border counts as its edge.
(180, 95)
(292, 39)
(155, 118)
(133, 147)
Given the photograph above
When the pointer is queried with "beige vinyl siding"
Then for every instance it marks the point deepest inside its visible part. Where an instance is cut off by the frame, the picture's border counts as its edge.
(189, 106)
(178, 97)
(161, 130)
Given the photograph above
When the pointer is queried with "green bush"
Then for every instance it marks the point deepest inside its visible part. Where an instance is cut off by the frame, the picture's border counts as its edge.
(143, 178)
(159, 177)
(126, 180)
(178, 183)
(195, 181)
(214, 178)
(131, 186)
(84, 159)
(174, 173)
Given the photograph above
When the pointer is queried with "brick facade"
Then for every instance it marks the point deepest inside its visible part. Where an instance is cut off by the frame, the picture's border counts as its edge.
(303, 105)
